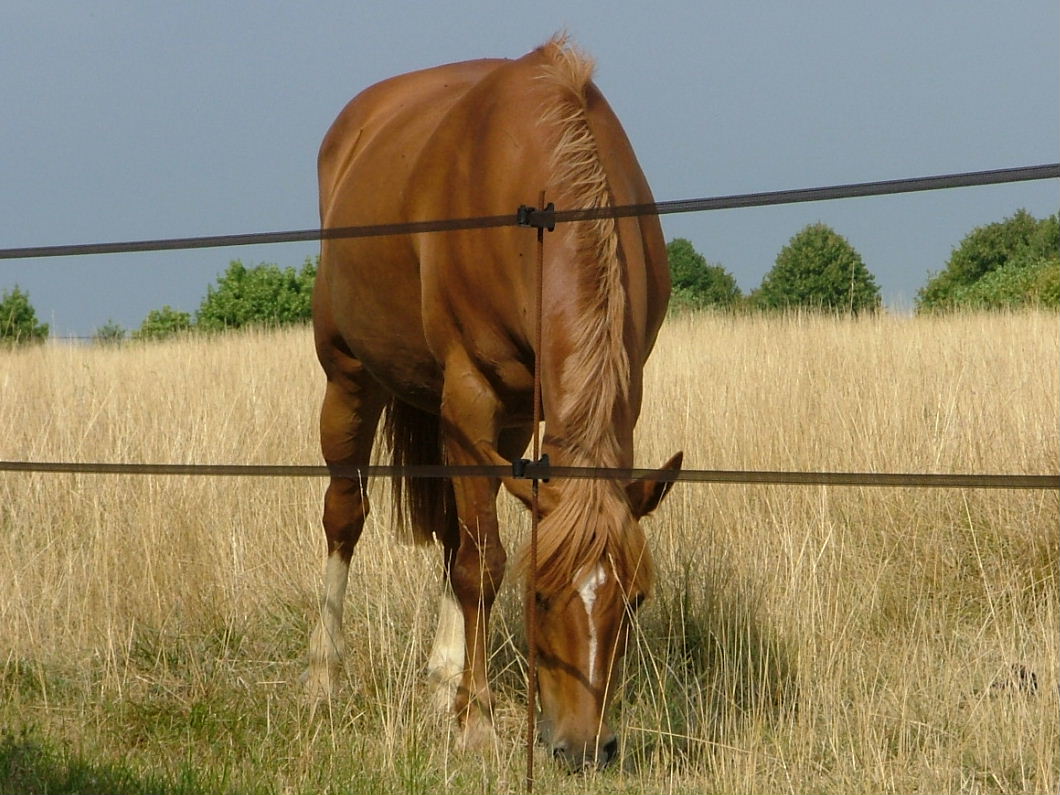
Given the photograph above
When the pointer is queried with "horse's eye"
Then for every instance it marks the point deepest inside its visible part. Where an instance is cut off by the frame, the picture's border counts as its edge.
(542, 602)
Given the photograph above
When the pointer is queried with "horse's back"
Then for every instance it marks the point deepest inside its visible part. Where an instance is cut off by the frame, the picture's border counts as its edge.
(393, 118)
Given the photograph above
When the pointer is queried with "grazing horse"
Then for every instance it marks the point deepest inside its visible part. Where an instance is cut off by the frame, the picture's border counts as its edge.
(435, 331)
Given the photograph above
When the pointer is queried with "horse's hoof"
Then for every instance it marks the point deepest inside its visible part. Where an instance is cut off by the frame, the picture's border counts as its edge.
(478, 734)
(318, 687)
(443, 689)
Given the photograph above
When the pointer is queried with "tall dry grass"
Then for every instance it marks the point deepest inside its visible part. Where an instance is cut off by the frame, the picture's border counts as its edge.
(152, 629)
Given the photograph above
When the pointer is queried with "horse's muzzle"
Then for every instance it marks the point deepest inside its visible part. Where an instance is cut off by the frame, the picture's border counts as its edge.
(586, 756)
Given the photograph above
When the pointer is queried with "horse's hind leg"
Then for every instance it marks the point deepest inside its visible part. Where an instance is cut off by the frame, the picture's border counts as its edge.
(348, 418)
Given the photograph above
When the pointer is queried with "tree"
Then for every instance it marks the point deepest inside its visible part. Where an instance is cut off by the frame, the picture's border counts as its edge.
(18, 319)
(264, 295)
(696, 283)
(163, 323)
(818, 269)
(1025, 280)
(1007, 263)
(110, 333)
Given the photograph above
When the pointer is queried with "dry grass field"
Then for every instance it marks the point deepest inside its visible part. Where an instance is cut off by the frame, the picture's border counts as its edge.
(801, 639)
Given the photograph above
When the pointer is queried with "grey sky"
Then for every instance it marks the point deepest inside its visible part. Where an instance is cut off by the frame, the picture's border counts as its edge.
(128, 120)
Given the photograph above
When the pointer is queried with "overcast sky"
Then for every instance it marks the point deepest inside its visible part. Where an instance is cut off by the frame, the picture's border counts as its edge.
(140, 119)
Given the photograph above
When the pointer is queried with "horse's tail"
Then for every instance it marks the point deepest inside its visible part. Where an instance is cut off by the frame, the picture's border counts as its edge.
(424, 505)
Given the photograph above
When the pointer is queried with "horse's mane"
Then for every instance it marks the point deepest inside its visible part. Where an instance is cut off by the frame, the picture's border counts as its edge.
(591, 522)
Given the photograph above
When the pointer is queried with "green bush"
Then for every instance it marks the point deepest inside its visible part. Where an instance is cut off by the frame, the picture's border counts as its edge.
(1021, 282)
(990, 258)
(696, 283)
(110, 333)
(818, 269)
(18, 319)
(1046, 286)
(265, 295)
(163, 323)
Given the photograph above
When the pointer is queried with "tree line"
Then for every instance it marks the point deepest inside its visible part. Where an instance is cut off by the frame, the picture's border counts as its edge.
(265, 295)
(1008, 264)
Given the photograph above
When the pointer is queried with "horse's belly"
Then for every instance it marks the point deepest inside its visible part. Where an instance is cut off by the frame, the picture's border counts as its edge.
(375, 310)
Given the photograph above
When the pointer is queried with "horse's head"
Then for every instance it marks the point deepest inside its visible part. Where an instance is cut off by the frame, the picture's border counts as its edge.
(582, 623)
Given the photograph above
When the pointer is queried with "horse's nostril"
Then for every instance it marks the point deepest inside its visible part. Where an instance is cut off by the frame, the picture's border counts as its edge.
(558, 751)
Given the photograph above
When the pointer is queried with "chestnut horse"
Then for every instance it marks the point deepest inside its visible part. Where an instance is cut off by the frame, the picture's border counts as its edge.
(435, 330)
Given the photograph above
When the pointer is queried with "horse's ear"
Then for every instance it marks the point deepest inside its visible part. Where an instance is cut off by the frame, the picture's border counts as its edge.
(645, 495)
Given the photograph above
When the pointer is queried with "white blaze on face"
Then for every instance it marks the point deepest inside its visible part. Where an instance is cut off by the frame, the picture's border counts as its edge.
(587, 591)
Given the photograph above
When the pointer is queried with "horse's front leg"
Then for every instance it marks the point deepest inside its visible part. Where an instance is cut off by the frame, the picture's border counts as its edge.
(476, 578)
(476, 566)
(348, 418)
(446, 665)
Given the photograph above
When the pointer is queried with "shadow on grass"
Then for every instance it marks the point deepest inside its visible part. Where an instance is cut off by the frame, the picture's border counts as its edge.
(705, 666)
(32, 764)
